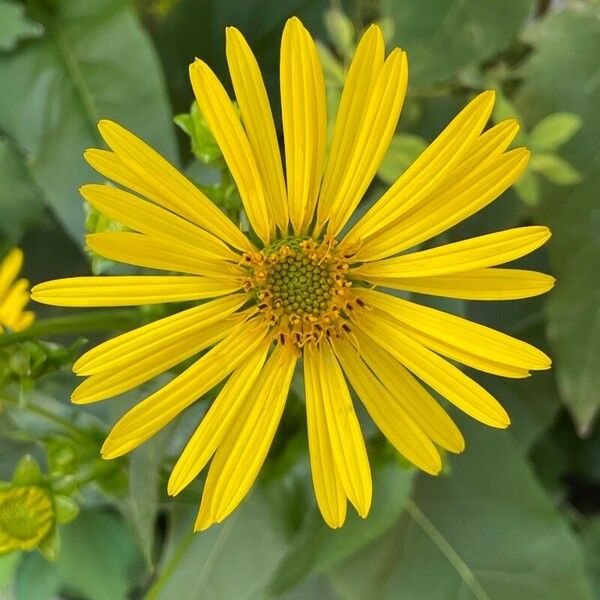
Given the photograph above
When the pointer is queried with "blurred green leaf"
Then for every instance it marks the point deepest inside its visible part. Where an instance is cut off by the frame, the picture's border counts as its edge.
(402, 152)
(555, 169)
(488, 531)
(20, 201)
(8, 567)
(528, 188)
(96, 562)
(554, 130)
(340, 31)
(567, 44)
(591, 538)
(443, 36)
(198, 29)
(232, 560)
(15, 26)
(317, 547)
(94, 62)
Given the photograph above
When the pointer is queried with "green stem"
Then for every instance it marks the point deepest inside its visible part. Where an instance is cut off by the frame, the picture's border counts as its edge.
(49, 416)
(105, 320)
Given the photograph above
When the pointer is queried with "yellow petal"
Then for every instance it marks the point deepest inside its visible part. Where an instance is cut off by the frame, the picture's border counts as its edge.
(304, 117)
(9, 269)
(482, 251)
(448, 206)
(255, 109)
(129, 347)
(158, 409)
(362, 75)
(242, 453)
(480, 284)
(372, 139)
(148, 363)
(458, 338)
(443, 377)
(166, 186)
(218, 421)
(343, 429)
(429, 170)
(233, 143)
(130, 290)
(146, 217)
(107, 163)
(329, 490)
(160, 253)
(388, 415)
(419, 404)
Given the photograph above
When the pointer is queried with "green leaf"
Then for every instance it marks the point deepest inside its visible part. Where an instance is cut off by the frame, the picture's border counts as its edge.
(573, 308)
(94, 62)
(443, 36)
(198, 29)
(554, 130)
(317, 547)
(95, 562)
(402, 152)
(232, 560)
(15, 26)
(591, 539)
(145, 465)
(8, 566)
(20, 201)
(487, 531)
(555, 169)
(528, 188)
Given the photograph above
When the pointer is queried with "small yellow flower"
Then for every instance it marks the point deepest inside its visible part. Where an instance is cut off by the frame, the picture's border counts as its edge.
(312, 288)
(14, 295)
(26, 517)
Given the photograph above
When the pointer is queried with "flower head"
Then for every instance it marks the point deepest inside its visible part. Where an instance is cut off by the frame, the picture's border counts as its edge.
(308, 287)
(14, 295)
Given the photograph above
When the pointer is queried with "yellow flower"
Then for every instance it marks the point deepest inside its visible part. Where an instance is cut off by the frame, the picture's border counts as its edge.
(13, 294)
(26, 517)
(307, 290)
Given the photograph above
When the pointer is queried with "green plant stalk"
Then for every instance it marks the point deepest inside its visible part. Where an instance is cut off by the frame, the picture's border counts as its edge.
(106, 320)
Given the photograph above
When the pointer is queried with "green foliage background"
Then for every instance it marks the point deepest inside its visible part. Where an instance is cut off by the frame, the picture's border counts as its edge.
(517, 515)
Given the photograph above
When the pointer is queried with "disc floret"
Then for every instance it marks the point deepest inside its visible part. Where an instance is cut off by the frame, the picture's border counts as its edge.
(301, 289)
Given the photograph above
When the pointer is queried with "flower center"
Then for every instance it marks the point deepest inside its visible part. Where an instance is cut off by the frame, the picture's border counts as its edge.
(301, 289)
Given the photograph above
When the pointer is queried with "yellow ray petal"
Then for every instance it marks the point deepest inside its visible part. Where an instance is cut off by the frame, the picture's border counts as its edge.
(362, 75)
(429, 170)
(167, 186)
(347, 443)
(239, 458)
(448, 206)
(160, 253)
(108, 164)
(489, 144)
(388, 415)
(455, 336)
(130, 290)
(9, 269)
(482, 251)
(419, 404)
(148, 363)
(153, 413)
(327, 484)
(218, 421)
(233, 143)
(146, 217)
(125, 348)
(304, 115)
(372, 139)
(449, 381)
(256, 114)
(480, 284)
